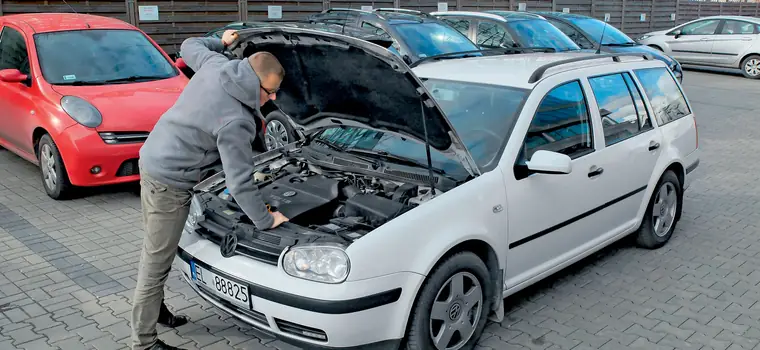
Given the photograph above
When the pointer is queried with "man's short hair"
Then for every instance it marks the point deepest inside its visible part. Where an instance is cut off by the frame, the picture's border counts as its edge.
(266, 64)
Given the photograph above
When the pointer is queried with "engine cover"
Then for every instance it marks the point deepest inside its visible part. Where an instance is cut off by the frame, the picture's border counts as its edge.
(294, 194)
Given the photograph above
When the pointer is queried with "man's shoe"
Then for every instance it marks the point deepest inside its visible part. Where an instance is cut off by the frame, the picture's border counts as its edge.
(166, 318)
(159, 345)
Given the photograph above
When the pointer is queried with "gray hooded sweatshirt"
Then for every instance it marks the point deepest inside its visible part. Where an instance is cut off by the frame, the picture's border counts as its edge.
(212, 119)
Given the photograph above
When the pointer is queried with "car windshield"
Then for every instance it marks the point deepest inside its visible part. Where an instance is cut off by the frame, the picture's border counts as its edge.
(541, 33)
(431, 38)
(482, 116)
(100, 57)
(594, 28)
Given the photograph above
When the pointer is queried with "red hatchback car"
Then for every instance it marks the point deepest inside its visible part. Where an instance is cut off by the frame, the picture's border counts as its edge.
(79, 95)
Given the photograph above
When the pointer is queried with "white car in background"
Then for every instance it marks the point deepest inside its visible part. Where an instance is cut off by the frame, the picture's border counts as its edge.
(719, 41)
(419, 199)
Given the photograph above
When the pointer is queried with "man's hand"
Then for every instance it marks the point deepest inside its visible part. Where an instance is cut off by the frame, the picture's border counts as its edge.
(278, 219)
(229, 37)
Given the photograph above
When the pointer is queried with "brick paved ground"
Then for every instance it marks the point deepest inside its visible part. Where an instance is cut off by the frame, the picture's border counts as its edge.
(67, 269)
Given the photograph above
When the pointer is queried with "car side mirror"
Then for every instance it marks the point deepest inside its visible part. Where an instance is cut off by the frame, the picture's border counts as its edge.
(180, 63)
(13, 76)
(547, 162)
(677, 34)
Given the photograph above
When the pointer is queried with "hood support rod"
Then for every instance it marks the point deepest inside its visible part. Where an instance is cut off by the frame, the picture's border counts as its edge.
(427, 145)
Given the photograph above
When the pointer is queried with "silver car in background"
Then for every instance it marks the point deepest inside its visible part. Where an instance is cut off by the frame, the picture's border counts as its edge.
(719, 41)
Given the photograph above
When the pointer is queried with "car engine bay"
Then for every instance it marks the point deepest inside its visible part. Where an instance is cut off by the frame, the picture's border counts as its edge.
(323, 204)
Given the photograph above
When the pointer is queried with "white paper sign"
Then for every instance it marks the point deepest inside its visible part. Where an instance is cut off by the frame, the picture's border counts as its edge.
(606, 17)
(366, 8)
(148, 13)
(566, 10)
(443, 6)
(643, 17)
(274, 12)
(672, 16)
(522, 6)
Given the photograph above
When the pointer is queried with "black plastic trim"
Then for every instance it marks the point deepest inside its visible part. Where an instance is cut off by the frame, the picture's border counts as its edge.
(330, 307)
(549, 230)
(692, 167)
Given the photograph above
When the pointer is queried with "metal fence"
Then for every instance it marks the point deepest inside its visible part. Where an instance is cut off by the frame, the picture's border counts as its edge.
(170, 22)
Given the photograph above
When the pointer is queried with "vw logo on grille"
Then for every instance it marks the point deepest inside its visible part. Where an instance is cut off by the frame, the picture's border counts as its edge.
(228, 245)
(289, 193)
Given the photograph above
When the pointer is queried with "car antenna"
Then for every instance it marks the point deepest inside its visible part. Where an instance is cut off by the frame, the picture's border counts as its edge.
(599, 49)
(427, 145)
(71, 8)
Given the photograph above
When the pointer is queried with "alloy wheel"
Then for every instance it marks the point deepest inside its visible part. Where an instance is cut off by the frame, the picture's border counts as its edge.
(456, 311)
(276, 135)
(752, 67)
(664, 209)
(47, 164)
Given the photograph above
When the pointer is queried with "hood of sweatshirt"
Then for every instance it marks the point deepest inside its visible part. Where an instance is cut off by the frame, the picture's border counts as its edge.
(241, 82)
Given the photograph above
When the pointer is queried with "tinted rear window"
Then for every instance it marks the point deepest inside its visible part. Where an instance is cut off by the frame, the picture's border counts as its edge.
(664, 94)
(99, 55)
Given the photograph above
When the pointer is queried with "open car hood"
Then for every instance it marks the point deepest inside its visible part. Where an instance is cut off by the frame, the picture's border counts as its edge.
(332, 79)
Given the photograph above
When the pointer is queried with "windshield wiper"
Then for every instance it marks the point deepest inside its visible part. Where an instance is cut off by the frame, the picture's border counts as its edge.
(135, 78)
(395, 158)
(621, 44)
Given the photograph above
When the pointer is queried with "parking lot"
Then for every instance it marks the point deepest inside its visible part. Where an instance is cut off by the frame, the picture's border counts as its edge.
(68, 268)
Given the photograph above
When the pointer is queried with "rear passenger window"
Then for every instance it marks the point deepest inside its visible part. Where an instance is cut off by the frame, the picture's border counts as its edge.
(668, 103)
(561, 123)
(620, 106)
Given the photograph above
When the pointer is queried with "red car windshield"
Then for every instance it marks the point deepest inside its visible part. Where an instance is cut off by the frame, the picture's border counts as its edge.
(103, 56)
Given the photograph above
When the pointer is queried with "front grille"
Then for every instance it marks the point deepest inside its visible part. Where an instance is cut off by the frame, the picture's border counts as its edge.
(300, 330)
(121, 137)
(128, 168)
(262, 247)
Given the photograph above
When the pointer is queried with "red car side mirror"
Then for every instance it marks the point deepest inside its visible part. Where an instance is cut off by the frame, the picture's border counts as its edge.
(180, 63)
(13, 76)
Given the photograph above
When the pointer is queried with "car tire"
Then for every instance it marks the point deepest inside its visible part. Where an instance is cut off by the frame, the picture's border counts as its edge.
(468, 313)
(279, 131)
(55, 180)
(662, 213)
(751, 67)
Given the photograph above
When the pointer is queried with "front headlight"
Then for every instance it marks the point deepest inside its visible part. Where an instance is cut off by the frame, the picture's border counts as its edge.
(81, 111)
(195, 214)
(643, 37)
(326, 263)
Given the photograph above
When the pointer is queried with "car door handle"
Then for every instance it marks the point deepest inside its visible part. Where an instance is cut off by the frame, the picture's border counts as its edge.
(595, 171)
(704, 39)
(653, 145)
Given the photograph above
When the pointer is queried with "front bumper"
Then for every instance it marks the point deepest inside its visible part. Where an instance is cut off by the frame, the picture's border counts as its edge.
(365, 314)
(83, 149)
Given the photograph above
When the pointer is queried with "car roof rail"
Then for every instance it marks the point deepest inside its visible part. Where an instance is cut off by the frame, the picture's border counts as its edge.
(399, 10)
(540, 71)
(503, 51)
(343, 9)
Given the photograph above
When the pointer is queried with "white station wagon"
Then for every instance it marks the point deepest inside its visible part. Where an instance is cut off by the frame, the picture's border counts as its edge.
(420, 199)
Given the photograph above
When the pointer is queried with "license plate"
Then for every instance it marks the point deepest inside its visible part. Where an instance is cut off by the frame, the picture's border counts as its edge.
(224, 287)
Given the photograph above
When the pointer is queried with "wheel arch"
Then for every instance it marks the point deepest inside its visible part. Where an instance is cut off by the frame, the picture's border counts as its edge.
(656, 47)
(678, 169)
(36, 136)
(489, 257)
(741, 61)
